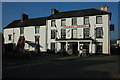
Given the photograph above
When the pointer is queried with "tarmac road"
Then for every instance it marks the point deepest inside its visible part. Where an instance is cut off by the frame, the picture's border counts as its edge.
(94, 67)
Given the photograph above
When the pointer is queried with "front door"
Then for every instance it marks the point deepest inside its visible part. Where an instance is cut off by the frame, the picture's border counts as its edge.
(72, 47)
(86, 47)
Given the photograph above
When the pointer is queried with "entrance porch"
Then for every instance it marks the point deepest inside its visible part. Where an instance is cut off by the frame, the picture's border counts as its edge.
(76, 47)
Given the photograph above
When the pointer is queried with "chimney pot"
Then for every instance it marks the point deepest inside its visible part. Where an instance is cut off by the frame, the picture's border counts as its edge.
(54, 11)
(104, 8)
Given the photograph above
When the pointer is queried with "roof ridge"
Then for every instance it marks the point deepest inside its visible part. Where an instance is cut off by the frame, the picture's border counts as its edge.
(102, 10)
(82, 10)
(77, 10)
(32, 18)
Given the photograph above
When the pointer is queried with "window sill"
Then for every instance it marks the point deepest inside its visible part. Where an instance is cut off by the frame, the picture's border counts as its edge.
(99, 23)
(99, 37)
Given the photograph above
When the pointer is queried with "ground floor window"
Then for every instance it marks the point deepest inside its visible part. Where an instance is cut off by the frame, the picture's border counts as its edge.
(99, 47)
(63, 46)
(52, 46)
(86, 47)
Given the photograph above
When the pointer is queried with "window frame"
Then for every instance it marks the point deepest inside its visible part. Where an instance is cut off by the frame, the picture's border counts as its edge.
(74, 21)
(37, 29)
(62, 22)
(53, 34)
(99, 47)
(101, 32)
(97, 20)
(21, 30)
(86, 34)
(63, 33)
(52, 48)
(85, 21)
(73, 33)
(53, 23)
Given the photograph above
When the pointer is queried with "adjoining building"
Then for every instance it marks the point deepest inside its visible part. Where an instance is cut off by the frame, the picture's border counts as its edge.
(30, 29)
(72, 32)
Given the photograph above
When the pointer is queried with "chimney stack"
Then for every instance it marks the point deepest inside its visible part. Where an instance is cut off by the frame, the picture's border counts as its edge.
(54, 11)
(24, 17)
(104, 8)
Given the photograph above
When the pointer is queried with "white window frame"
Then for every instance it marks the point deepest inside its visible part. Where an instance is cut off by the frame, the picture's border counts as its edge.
(37, 29)
(21, 30)
(63, 33)
(53, 23)
(86, 20)
(52, 46)
(98, 19)
(74, 21)
(63, 22)
(99, 33)
(74, 33)
(86, 32)
(53, 34)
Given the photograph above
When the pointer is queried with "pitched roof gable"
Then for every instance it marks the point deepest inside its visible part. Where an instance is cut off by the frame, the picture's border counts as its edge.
(29, 22)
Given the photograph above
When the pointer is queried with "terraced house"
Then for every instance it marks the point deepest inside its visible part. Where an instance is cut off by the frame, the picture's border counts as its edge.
(72, 32)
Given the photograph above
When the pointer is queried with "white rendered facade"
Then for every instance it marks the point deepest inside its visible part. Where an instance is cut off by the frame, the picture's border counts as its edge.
(105, 40)
(70, 34)
(29, 34)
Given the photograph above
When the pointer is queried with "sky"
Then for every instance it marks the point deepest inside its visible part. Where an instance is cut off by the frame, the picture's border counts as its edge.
(13, 10)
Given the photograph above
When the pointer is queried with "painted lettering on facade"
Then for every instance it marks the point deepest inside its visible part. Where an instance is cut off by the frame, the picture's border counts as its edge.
(76, 26)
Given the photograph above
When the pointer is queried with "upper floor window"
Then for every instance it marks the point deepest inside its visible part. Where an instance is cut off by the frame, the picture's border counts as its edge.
(63, 33)
(74, 21)
(63, 22)
(99, 20)
(53, 24)
(22, 30)
(86, 20)
(99, 32)
(37, 28)
(86, 32)
(10, 37)
(53, 34)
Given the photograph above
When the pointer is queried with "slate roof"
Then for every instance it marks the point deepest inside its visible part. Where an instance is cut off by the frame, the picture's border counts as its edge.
(78, 13)
(42, 21)
(28, 22)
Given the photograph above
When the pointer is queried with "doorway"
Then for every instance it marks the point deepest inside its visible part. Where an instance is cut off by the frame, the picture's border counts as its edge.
(86, 47)
(72, 47)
